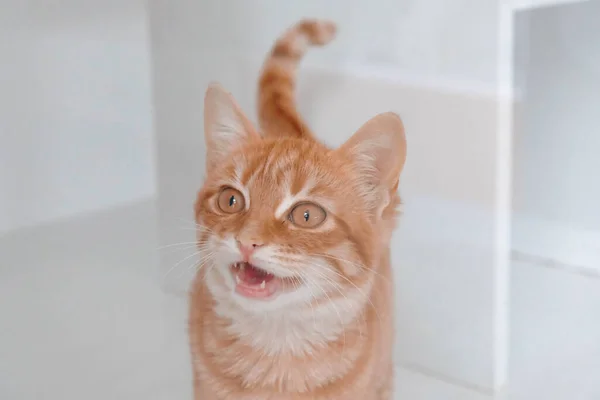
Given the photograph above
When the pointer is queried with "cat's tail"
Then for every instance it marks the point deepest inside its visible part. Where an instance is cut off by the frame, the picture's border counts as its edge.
(277, 112)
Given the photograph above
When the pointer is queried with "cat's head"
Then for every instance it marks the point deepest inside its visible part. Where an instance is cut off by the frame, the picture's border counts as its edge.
(288, 221)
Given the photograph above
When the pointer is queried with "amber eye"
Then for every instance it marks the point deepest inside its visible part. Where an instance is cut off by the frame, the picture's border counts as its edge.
(231, 201)
(307, 215)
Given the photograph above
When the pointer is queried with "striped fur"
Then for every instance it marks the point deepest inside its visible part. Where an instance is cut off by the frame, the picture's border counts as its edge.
(278, 115)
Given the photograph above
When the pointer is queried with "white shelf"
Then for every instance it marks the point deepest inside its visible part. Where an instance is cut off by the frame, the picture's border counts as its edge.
(578, 250)
(528, 4)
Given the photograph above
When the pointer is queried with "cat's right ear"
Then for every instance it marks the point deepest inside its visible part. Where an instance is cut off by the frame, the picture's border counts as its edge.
(225, 126)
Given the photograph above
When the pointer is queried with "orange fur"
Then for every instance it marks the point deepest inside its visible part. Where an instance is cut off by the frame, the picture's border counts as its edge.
(276, 105)
(329, 333)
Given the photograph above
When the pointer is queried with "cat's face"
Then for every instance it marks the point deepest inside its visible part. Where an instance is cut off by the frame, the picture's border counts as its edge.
(288, 221)
(283, 224)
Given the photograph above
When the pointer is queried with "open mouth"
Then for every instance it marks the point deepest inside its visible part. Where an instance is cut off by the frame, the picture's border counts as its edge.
(254, 282)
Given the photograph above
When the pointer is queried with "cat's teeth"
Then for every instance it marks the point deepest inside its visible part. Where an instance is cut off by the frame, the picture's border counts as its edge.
(237, 279)
(263, 284)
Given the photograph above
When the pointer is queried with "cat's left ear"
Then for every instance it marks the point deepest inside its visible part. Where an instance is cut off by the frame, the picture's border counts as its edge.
(378, 152)
(225, 125)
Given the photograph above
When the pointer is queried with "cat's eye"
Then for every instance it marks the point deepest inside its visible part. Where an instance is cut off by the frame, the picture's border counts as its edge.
(231, 201)
(307, 215)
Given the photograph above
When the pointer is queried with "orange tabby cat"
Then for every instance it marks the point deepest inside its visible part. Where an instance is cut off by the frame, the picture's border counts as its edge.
(294, 297)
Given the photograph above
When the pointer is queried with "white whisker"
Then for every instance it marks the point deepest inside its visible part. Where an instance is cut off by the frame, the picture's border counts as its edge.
(354, 264)
(199, 264)
(367, 297)
(336, 311)
(196, 253)
(337, 286)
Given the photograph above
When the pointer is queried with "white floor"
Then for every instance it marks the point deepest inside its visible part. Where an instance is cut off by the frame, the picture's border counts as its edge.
(84, 318)
(83, 315)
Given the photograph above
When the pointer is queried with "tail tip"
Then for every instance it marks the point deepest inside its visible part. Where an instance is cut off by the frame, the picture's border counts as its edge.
(321, 31)
(327, 31)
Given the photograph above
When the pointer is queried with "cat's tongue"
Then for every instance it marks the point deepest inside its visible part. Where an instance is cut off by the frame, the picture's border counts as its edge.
(254, 282)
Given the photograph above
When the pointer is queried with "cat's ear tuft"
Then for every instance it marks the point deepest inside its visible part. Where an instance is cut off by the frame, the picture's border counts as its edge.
(378, 152)
(225, 125)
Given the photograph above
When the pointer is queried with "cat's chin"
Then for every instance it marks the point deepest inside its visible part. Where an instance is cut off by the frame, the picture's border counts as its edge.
(255, 283)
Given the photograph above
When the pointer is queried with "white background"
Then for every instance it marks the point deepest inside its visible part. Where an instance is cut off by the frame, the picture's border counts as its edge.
(75, 118)
(75, 115)
(558, 130)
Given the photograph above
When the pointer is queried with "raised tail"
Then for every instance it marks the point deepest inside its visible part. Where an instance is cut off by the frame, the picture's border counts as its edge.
(277, 111)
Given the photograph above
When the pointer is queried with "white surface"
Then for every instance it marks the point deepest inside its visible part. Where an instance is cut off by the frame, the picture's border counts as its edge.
(83, 314)
(437, 39)
(529, 4)
(503, 181)
(446, 294)
(411, 385)
(555, 352)
(556, 130)
(75, 121)
(85, 318)
(558, 242)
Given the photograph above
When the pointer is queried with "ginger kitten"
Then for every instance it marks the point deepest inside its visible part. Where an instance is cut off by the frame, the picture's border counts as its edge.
(294, 298)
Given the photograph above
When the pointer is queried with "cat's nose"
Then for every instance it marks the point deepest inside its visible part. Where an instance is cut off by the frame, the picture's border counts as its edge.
(248, 247)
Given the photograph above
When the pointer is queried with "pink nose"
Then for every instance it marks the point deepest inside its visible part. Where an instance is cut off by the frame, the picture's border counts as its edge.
(247, 248)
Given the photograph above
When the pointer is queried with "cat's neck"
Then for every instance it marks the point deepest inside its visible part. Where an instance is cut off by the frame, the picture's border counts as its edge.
(288, 353)
(292, 351)
(298, 331)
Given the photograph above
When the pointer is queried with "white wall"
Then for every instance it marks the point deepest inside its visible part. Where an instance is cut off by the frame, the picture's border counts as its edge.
(556, 194)
(434, 40)
(558, 130)
(75, 118)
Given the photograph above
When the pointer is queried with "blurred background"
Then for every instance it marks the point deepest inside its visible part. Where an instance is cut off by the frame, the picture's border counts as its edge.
(101, 154)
